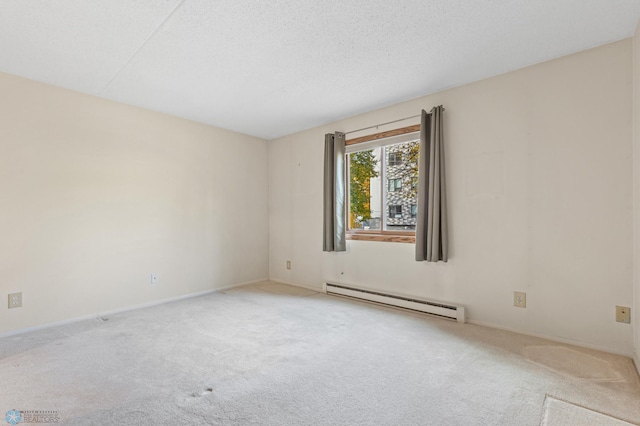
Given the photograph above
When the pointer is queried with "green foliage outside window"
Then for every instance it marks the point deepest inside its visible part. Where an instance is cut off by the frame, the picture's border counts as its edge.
(362, 170)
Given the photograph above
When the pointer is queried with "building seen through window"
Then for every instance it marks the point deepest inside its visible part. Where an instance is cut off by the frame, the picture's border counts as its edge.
(383, 188)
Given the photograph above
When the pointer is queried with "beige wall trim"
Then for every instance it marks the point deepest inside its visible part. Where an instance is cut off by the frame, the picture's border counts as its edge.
(552, 338)
(126, 309)
(308, 287)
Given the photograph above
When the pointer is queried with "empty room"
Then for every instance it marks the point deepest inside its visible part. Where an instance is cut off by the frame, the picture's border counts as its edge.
(320, 212)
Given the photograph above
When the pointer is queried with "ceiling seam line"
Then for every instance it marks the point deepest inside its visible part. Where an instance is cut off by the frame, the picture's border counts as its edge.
(143, 44)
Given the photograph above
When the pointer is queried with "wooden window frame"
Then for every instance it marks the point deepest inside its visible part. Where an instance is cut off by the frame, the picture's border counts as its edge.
(381, 235)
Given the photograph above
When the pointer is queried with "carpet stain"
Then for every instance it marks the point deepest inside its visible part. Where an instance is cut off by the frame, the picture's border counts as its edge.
(206, 392)
(572, 362)
(559, 412)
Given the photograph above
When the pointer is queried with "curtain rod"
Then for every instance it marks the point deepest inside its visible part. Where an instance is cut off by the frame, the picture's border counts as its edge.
(384, 124)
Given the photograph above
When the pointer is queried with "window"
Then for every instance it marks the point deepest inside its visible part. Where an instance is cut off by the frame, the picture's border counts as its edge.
(382, 177)
(395, 158)
(414, 210)
(395, 185)
(395, 211)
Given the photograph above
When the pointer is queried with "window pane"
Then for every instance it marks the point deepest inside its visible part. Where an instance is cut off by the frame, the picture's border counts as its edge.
(365, 191)
(395, 158)
(401, 172)
(394, 185)
(395, 211)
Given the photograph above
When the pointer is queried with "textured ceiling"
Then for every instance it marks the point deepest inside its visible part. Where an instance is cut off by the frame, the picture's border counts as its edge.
(273, 68)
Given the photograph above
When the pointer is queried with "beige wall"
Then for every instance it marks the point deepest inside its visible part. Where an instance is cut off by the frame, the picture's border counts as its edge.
(635, 309)
(96, 195)
(539, 175)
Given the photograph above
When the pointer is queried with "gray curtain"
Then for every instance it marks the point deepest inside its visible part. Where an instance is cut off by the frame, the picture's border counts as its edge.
(334, 193)
(431, 226)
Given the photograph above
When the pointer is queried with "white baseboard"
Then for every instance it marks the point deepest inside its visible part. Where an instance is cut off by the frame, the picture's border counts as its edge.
(553, 338)
(308, 287)
(125, 309)
(240, 284)
(635, 357)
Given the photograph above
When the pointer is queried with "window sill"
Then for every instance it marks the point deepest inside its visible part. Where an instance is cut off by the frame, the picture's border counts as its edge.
(388, 238)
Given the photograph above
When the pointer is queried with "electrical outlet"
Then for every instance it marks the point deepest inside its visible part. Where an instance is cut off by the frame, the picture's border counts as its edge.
(15, 300)
(623, 314)
(288, 264)
(154, 278)
(520, 299)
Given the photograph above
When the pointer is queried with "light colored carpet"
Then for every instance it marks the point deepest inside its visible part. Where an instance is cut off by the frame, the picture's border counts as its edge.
(561, 413)
(271, 354)
(572, 362)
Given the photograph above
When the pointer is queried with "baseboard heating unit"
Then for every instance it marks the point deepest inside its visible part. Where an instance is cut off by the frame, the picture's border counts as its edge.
(439, 309)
